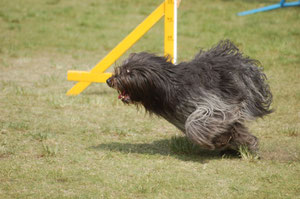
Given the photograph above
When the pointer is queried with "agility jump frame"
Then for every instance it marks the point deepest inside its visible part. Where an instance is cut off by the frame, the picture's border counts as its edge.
(168, 9)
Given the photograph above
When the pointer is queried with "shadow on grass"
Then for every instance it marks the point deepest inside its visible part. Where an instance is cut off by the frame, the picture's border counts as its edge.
(178, 147)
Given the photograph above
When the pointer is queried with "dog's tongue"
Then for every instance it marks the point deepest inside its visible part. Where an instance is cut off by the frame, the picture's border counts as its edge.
(124, 97)
(121, 95)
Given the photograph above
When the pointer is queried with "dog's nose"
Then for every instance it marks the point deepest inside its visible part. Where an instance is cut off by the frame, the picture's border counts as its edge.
(108, 81)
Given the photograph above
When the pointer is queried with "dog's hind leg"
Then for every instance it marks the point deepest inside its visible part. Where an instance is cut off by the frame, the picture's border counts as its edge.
(242, 137)
(206, 124)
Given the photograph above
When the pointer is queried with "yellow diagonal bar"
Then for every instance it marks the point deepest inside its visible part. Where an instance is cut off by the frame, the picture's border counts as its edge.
(121, 48)
(83, 76)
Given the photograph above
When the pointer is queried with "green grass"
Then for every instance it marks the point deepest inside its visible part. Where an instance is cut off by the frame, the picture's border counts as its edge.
(93, 146)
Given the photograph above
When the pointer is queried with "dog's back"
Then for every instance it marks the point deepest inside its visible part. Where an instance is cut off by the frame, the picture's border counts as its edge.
(224, 71)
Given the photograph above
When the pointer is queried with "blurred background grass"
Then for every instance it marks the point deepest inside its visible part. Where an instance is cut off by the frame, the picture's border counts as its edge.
(93, 146)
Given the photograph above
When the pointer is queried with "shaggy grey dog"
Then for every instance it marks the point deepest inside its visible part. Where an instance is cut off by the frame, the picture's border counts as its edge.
(209, 98)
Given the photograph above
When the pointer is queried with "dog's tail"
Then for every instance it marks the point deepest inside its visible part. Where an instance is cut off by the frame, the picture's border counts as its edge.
(259, 96)
(245, 73)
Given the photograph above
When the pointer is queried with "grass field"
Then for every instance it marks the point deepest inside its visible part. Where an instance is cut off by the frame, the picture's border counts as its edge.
(93, 146)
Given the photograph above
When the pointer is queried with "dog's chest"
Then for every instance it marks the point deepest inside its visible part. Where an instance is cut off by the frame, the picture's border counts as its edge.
(179, 124)
(178, 119)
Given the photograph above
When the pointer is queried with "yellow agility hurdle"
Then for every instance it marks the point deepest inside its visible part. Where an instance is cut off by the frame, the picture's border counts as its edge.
(168, 9)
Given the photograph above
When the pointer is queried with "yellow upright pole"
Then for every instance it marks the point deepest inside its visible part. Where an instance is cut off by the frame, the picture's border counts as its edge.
(169, 29)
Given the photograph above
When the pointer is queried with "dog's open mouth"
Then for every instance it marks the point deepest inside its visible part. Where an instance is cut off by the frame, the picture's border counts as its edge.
(124, 97)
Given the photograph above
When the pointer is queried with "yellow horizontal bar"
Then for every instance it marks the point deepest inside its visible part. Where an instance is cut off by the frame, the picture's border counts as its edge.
(83, 76)
(122, 47)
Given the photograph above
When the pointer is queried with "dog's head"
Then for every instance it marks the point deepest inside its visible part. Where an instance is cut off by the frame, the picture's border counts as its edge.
(141, 79)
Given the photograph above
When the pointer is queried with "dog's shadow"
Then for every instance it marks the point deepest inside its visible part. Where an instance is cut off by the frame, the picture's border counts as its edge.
(177, 147)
